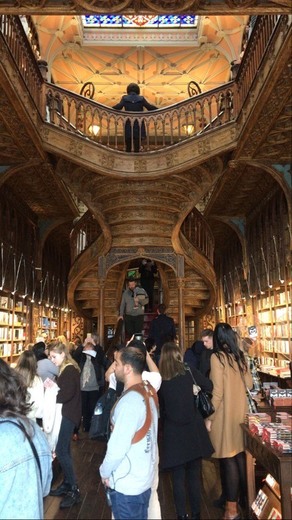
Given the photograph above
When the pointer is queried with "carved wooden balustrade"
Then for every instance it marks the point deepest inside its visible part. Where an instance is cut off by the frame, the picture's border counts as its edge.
(199, 234)
(17, 42)
(164, 127)
(259, 41)
(84, 233)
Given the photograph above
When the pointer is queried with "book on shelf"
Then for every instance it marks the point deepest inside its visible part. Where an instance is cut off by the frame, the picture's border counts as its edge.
(3, 333)
(4, 302)
(6, 349)
(259, 503)
(274, 514)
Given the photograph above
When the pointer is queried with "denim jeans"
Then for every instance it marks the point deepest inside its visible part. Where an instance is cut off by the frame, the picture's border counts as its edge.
(130, 507)
(63, 450)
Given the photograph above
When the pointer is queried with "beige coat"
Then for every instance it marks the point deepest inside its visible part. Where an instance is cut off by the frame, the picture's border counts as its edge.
(230, 403)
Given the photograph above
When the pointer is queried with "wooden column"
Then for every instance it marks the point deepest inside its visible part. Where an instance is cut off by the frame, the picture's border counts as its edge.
(102, 277)
(180, 270)
(101, 312)
(181, 313)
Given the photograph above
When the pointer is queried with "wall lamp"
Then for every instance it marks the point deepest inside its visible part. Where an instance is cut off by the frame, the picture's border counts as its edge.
(94, 130)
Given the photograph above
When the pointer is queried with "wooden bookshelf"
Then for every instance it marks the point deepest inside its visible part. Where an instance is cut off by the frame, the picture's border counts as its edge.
(14, 326)
(48, 322)
(274, 325)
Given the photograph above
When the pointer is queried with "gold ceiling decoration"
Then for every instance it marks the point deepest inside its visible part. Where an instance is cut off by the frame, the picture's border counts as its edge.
(163, 69)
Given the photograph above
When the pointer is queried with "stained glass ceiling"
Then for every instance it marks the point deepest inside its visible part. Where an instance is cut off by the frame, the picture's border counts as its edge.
(140, 21)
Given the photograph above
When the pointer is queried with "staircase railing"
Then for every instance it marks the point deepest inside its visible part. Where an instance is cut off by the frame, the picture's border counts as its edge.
(84, 233)
(199, 234)
(16, 40)
(164, 127)
(258, 43)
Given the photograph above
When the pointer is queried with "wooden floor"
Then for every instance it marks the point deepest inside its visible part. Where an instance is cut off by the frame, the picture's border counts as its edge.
(88, 455)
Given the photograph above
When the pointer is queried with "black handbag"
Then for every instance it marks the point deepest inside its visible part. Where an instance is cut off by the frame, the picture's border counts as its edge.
(204, 404)
(202, 399)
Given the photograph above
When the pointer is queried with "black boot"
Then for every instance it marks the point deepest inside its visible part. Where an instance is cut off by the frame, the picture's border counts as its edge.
(72, 497)
(62, 489)
(182, 517)
(195, 516)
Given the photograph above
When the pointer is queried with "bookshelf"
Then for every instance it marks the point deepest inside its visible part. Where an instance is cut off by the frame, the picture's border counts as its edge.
(48, 322)
(236, 315)
(14, 326)
(274, 324)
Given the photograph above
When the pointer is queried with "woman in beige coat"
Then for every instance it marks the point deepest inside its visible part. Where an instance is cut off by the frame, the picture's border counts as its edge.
(230, 376)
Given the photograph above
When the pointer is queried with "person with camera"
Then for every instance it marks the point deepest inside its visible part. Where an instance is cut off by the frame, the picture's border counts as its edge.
(132, 308)
(128, 469)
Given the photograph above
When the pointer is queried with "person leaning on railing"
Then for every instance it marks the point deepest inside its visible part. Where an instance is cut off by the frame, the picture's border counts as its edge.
(133, 102)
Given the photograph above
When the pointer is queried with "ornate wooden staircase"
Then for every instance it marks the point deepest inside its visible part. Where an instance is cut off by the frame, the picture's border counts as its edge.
(143, 205)
(99, 270)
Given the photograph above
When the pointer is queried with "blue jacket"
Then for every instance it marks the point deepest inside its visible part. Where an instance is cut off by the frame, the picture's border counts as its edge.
(21, 490)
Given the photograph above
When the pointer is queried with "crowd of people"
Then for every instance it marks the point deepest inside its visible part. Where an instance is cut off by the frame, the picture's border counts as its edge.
(55, 388)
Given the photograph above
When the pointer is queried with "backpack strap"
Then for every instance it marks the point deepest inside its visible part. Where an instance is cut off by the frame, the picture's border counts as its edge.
(146, 390)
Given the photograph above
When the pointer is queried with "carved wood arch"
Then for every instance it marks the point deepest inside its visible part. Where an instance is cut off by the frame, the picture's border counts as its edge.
(74, 176)
(241, 237)
(282, 183)
(14, 170)
(116, 256)
(206, 174)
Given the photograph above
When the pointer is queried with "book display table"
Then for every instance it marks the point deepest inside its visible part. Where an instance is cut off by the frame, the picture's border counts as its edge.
(276, 464)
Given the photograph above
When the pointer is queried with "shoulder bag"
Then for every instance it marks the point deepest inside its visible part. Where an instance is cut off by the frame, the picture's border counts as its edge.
(202, 399)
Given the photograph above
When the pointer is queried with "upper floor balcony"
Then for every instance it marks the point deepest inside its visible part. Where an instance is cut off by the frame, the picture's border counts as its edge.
(94, 123)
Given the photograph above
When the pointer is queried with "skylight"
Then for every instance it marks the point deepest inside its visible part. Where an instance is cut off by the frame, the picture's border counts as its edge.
(140, 21)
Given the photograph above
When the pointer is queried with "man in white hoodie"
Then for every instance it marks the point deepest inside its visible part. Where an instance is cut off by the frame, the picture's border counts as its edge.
(128, 468)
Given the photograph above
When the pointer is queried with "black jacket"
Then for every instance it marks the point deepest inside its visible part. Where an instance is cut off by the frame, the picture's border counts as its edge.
(184, 434)
(192, 356)
(205, 361)
(134, 103)
(162, 329)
